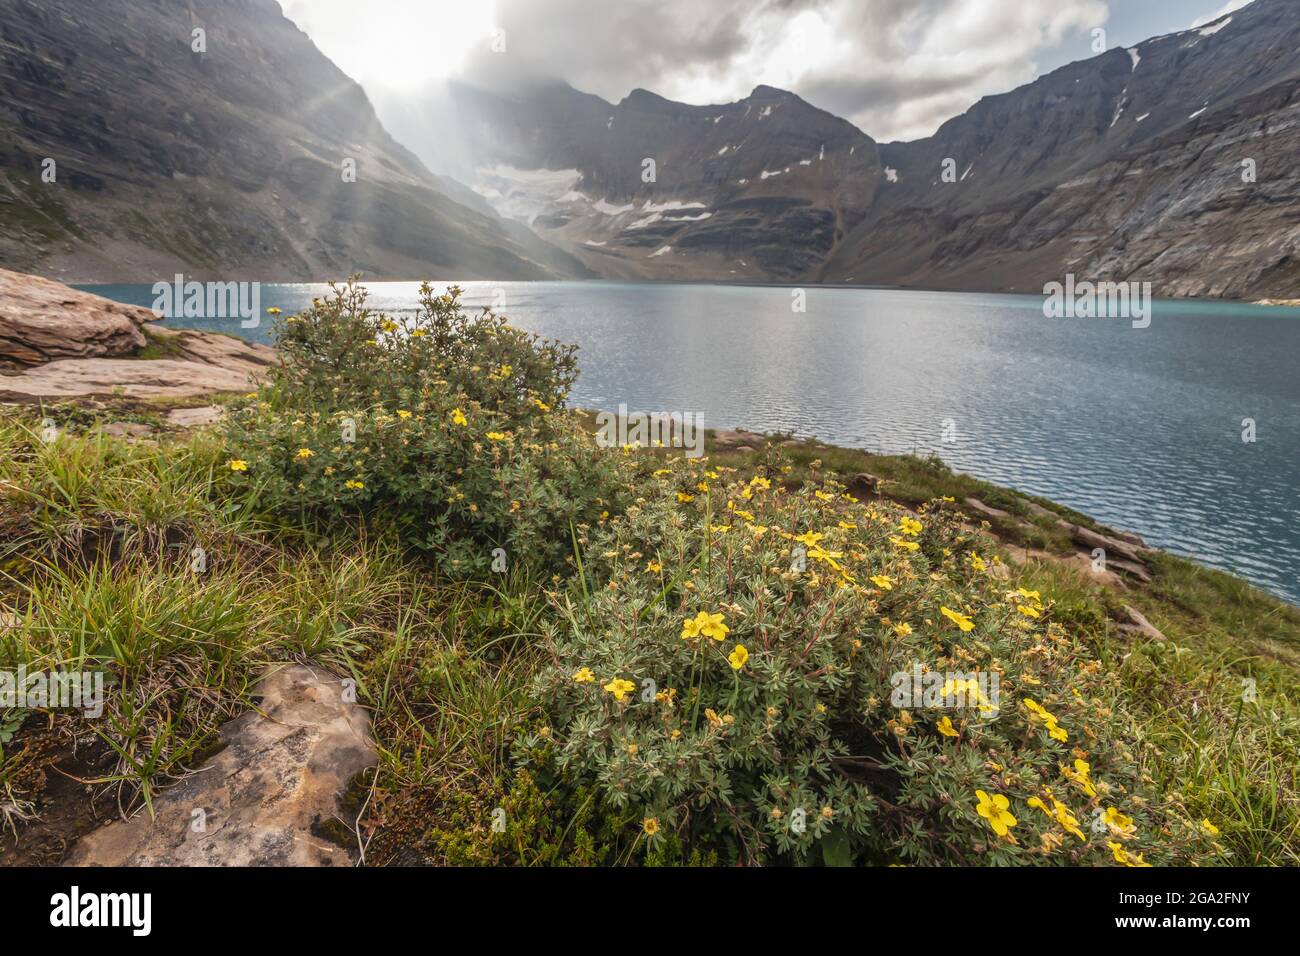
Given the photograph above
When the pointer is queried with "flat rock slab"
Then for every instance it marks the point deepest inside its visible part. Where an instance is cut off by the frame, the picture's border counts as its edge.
(42, 320)
(132, 378)
(738, 440)
(264, 796)
(213, 348)
(195, 417)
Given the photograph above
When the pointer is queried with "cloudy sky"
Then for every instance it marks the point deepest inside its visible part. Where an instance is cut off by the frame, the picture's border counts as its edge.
(896, 68)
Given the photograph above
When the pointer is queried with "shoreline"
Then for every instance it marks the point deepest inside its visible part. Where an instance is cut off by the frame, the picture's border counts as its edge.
(204, 276)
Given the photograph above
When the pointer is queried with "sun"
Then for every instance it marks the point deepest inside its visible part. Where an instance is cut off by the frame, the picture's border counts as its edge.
(399, 44)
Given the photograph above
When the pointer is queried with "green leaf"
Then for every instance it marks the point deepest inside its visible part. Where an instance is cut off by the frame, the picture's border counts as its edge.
(835, 848)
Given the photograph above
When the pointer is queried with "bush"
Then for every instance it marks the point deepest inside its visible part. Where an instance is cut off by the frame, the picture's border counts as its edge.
(451, 428)
(739, 694)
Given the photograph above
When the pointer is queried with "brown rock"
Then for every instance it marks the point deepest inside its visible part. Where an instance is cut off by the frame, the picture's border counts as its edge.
(195, 417)
(134, 378)
(1112, 546)
(865, 485)
(987, 511)
(739, 440)
(1138, 624)
(1132, 568)
(1107, 578)
(213, 348)
(1039, 511)
(126, 430)
(42, 320)
(264, 796)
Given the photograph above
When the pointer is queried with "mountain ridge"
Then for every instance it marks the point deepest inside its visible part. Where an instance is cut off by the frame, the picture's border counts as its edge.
(220, 161)
(1122, 166)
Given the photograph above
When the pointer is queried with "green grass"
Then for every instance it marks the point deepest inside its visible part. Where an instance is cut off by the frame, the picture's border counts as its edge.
(96, 538)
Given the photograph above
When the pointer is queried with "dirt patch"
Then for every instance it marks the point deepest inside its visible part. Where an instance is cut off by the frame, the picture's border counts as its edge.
(50, 761)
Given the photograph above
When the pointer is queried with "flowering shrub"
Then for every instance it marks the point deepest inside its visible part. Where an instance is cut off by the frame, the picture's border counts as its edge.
(451, 428)
(739, 666)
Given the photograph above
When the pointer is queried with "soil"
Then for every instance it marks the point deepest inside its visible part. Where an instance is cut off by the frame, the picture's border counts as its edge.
(52, 764)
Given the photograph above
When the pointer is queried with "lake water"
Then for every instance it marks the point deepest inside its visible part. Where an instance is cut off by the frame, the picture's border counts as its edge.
(1140, 428)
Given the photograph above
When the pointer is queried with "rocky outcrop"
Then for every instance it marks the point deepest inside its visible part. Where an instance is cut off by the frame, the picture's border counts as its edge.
(195, 417)
(1138, 624)
(266, 798)
(41, 321)
(1170, 162)
(1108, 556)
(131, 378)
(762, 188)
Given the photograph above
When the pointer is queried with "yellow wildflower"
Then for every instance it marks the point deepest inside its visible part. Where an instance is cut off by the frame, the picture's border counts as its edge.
(738, 657)
(584, 676)
(961, 620)
(620, 688)
(995, 810)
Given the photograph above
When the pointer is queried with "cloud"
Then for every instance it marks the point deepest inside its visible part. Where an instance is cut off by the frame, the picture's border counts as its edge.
(1230, 7)
(896, 68)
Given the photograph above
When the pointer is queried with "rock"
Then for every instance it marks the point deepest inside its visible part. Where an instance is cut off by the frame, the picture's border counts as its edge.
(195, 417)
(264, 796)
(1112, 546)
(1039, 511)
(1127, 537)
(987, 511)
(1020, 555)
(125, 430)
(739, 440)
(865, 485)
(213, 348)
(1107, 578)
(1138, 624)
(57, 344)
(42, 320)
(1131, 568)
(134, 378)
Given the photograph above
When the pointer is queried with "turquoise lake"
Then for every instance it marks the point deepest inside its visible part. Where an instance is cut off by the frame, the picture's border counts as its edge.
(1140, 428)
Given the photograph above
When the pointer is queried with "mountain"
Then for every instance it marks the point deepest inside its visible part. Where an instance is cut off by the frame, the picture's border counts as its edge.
(1127, 165)
(224, 163)
(758, 189)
